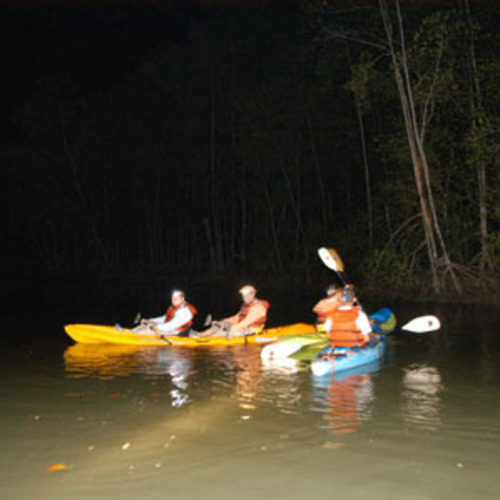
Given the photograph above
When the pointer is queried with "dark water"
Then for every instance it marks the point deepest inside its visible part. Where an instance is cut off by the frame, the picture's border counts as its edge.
(215, 423)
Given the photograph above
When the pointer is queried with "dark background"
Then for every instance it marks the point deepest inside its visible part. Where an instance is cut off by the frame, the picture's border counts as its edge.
(182, 143)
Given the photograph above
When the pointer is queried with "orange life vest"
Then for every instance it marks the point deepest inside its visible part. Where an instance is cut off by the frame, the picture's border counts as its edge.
(169, 315)
(344, 332)
(245, 309)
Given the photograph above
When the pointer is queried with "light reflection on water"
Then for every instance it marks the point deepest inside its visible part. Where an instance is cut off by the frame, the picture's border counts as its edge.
(184, 423)
(421, 399)
(346, 401)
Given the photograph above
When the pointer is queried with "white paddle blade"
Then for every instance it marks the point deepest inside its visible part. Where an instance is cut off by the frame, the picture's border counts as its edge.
(422, 324)
(331, 259)
(279, 350)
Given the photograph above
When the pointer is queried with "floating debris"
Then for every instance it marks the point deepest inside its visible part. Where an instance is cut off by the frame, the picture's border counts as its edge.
(126, 446)
(57, 467)
(332, 445)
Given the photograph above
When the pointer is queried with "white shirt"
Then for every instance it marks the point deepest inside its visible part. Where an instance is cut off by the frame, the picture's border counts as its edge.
(363, 323)
(181, 316)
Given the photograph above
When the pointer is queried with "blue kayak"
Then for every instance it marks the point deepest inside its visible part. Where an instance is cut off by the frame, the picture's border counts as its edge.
(332, 360)
(304, 347)
(383, 320)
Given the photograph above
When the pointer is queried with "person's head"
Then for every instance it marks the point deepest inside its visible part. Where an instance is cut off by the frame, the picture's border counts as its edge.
(178, 297)
(248, 293)
(332, 289)
(348, 295)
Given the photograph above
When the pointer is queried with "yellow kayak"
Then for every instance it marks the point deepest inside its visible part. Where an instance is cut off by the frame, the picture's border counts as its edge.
(101, 334)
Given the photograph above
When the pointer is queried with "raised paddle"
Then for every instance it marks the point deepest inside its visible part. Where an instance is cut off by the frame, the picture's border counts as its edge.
(421, 324)
(332, 260)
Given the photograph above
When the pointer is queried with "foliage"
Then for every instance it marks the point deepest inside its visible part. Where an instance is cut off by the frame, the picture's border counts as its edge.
(237, 149)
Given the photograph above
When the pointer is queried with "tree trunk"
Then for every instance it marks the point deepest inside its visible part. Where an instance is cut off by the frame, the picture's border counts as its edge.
(321, 184)
(476, 106)
(366, 169)
(436, 248)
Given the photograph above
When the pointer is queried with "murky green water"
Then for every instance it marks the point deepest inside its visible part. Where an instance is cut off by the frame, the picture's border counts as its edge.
(214, 423)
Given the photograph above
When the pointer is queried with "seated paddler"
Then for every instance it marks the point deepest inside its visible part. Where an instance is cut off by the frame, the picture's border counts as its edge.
(348, 325)
(250, 319)
(177, 319)
(327, 305)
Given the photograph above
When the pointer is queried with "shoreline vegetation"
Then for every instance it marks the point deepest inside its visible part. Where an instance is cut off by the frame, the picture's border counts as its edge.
(45, 289)
(237, 149)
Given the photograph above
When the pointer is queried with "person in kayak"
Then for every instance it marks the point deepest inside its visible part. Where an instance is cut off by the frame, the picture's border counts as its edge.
(327, 305)
(250, 319)
(177, 320)
(348, 325)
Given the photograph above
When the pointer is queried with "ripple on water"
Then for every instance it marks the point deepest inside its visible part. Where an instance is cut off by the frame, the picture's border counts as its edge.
(146, 423)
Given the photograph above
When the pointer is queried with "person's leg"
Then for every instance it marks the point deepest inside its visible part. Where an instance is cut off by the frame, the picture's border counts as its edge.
(218, 329)
(240, 333)
(209, 332)
(144, 329)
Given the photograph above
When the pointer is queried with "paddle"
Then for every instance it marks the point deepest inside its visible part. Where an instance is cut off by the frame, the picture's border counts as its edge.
(285, 348)
(208, 320)
(421, 324)
(332, 260)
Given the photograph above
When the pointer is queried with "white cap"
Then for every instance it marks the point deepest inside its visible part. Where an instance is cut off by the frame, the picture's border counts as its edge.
(247, 289)
(178, 293)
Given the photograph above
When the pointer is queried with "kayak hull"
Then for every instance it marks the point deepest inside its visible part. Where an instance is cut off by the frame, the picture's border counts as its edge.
(305, 347)
(330, 361)
(102, 334)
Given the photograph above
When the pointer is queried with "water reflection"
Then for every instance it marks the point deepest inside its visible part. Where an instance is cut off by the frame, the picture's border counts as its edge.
(248, 377)
(256, 387)
(100, 361)
(421, 398)
(347, 398)
(107, 361)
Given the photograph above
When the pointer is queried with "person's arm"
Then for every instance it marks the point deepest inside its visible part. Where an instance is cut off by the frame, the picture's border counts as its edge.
(159, 319)
(320, 307)
(256, 312)
(231, 319)
(327, 305)
(181, 317)
(363, 323)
